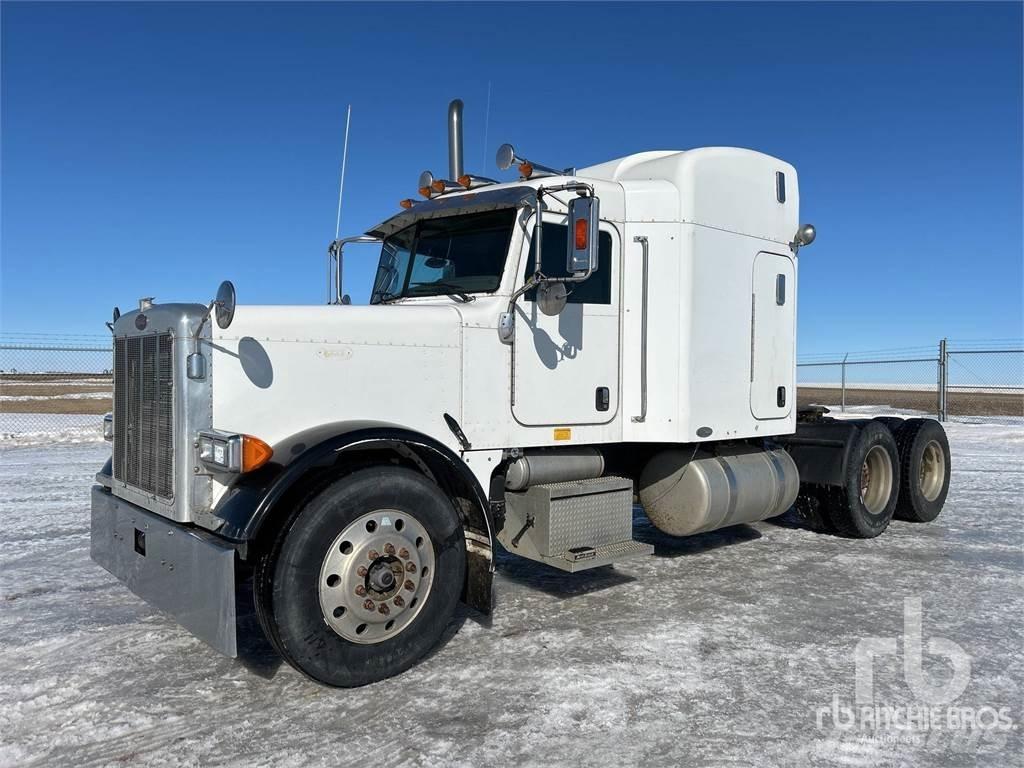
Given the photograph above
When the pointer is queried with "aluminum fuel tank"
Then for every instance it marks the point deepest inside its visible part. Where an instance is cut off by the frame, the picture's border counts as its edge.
(684, 493)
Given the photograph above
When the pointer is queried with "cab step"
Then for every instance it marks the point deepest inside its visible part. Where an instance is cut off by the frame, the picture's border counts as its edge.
(574, 525)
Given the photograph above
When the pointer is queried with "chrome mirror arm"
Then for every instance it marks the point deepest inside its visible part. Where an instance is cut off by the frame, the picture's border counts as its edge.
(202, 321)
(507, 319)
(335, 264)
(196, 363)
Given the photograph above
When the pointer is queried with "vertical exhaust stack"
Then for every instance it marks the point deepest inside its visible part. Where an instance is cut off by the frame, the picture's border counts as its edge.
(455, 139)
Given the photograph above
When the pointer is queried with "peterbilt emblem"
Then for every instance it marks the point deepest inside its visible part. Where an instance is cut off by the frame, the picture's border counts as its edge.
(140, 322)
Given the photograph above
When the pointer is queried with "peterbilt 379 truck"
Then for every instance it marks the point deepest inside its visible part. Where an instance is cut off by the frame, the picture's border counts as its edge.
(537, 356)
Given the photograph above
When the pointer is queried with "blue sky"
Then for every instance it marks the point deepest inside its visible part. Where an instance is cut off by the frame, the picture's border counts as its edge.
(158, 149)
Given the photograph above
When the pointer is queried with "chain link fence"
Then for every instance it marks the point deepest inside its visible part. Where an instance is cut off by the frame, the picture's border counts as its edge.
(954, 380)
(54, 387)
(982, 383)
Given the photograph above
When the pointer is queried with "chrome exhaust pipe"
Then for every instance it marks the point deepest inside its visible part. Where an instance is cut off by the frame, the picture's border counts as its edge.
(455, 140)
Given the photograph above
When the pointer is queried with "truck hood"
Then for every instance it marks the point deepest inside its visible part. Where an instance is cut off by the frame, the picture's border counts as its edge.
(279, 370)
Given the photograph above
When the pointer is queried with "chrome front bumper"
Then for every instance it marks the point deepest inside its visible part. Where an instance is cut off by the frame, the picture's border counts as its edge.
(185, 572)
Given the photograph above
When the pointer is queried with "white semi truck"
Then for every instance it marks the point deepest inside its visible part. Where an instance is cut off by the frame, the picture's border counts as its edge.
(536, 356)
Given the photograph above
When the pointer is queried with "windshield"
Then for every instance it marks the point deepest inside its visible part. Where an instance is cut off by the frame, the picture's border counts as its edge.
(450, 256)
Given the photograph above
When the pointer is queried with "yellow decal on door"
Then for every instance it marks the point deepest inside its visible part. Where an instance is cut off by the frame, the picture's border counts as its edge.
(563, 433)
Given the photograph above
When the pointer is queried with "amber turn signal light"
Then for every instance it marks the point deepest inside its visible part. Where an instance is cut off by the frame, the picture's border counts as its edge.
(580, 236)
(525, 169)
(425, 191)
(407, 203)
(438, 186)
(466, 180)
(255, 453)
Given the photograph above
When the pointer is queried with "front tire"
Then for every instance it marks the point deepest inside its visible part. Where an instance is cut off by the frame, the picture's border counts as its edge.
(365, 579)
(863, 506)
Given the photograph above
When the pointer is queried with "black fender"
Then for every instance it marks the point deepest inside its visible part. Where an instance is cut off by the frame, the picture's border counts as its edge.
(821, 450)
(258, 502)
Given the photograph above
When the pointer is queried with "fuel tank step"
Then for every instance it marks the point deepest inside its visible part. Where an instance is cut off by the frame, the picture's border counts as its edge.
(587, 557)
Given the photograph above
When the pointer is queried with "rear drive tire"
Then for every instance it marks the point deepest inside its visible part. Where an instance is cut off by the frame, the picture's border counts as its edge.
(810, 509)
(924, 470)
(365, 579)
(894, 423)
(863, 506)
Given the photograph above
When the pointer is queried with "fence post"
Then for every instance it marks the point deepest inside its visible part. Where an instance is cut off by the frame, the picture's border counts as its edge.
(842, 406)
(943, 380)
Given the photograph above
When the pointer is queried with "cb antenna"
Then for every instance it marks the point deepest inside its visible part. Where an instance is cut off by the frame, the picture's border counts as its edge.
(341, 184)
(487, 122)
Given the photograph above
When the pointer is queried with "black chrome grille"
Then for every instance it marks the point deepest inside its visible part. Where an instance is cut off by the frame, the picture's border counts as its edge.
(143, 413)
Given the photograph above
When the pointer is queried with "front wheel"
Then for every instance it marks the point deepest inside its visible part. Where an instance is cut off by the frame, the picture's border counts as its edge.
(365, 579)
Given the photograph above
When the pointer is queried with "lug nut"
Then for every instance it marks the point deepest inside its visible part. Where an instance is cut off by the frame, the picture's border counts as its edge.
(403, 553)
(361, 590)
(389, 549)
(361, 571)
(368, 605)
(399, 601)
(383, 610)
(410, 586)
(410, 567)
(373, 554)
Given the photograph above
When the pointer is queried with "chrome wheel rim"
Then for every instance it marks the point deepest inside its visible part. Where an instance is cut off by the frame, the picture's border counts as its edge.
(876, 480)
(376, 576)
(933, 470)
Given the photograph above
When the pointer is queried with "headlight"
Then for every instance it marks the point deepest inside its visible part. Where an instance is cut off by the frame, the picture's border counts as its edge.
(226, 452)
(220, 451)
(108, 427)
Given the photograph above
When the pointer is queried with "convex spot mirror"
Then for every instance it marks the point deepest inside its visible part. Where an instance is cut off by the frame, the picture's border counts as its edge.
(806, 234)
(426, 184)
(505, 157)
(551, 298)
(584, 217)
(225, 304)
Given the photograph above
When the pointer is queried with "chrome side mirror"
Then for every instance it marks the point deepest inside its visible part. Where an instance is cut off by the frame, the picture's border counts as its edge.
(225, 304)
(584, 216)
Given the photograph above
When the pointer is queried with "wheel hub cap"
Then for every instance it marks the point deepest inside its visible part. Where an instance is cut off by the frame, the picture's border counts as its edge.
(876, 480)
(933, 470)
(376, 576)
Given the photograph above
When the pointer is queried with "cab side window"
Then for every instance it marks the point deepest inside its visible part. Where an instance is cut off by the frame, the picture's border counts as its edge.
(597, 289)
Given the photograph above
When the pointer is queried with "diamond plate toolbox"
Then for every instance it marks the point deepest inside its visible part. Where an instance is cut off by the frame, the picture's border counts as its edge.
(579, 513)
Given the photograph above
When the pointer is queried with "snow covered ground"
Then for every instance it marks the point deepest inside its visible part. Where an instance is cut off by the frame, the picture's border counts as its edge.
(723, 649)
(21, 429)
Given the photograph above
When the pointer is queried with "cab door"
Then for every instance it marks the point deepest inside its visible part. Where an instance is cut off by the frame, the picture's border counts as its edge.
(565, 368)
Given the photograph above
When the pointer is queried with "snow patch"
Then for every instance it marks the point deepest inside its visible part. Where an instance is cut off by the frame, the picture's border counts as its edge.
(26, 429)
